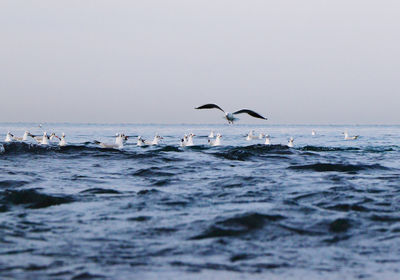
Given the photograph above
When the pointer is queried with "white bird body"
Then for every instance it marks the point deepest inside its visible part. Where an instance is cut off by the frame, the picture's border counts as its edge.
(53, 137)
(156, 140)
(62, 142)
(45, 139)
(267, 140)
(38, 139)
(120, 138)
(313, 133)
(184, 141)
(211, 135)
(190, 140)
(290, 143)
(251, 136)
(118, 143)
(140, 141)
(347, 137)
(23, 138)
(9, 137)
(217, 141)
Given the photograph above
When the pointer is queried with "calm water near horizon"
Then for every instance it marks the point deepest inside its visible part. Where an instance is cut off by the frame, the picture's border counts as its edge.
(325, 209)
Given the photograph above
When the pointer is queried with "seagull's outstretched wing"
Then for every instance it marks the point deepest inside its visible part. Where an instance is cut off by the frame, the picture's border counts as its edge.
(210, 106)
(251, 113)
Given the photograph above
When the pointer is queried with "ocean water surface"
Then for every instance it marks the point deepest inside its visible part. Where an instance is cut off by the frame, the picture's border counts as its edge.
(325, 209)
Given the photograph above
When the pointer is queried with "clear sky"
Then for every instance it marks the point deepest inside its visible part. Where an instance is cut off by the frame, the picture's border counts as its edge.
(327, 62)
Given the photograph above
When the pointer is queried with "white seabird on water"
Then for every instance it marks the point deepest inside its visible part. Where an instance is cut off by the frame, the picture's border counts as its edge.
(23, 138)
(156, 140)
(230, 116)
(347, 137)
(62, 142)
(140, 141)
(184, 141)
(211, 135)
(53, 137)
(313, 133)
(45, 139)
(250, 136)
(290, 143)
(267, 140)
(217, 141)
(9, 137)
(189, 141)
(119, 144)
(38, 139)
(120, 138)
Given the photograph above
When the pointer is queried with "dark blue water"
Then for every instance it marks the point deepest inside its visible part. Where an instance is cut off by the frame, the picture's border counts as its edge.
(325, 209)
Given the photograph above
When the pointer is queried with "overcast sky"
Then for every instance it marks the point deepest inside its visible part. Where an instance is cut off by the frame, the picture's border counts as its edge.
(327, 62)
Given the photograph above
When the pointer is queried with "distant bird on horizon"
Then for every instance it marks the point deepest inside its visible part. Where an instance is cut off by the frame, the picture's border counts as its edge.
(230, 116)
(290, 143)
(347, 137)
(267, 140)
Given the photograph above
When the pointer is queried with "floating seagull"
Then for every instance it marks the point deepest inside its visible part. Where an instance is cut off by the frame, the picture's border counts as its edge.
(190, 140)
(140, 141)
(119, 144)
(217, 141)
(39, 139)
(184, 141)
(120, 138)
(23, 138)
(53, 136)
(211, 135)
(45, 139)
(313, 133)
(156, 139)
(347, 137)
(230, 116)
(290, 143)
(267, 140)
(250, 136)
(9, 137)
(62, 142)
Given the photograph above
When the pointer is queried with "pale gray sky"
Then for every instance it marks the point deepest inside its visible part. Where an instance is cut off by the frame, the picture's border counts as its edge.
(154, 61)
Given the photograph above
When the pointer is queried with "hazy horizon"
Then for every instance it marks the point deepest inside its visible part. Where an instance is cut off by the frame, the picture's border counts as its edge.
(311, 62)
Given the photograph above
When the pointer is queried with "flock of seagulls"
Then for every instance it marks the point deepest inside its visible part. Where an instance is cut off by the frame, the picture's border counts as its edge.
(42, 140)
(186, 141)
(121, 139)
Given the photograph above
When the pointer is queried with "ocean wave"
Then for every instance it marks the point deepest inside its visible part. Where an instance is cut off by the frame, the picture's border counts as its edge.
(237, 225)
(31, 198)
(247, 152)
(337, 167)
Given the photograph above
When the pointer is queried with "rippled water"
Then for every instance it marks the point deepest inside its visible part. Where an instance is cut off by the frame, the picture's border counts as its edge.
(325, 209)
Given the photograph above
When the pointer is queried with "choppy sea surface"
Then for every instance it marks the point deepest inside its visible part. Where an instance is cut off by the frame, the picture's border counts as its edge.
(325, 209)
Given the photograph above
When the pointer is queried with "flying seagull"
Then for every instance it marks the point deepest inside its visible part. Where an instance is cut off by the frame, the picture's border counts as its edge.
(230, 116)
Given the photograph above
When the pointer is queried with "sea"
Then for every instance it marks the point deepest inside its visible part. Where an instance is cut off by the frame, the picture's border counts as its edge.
(327, 208)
